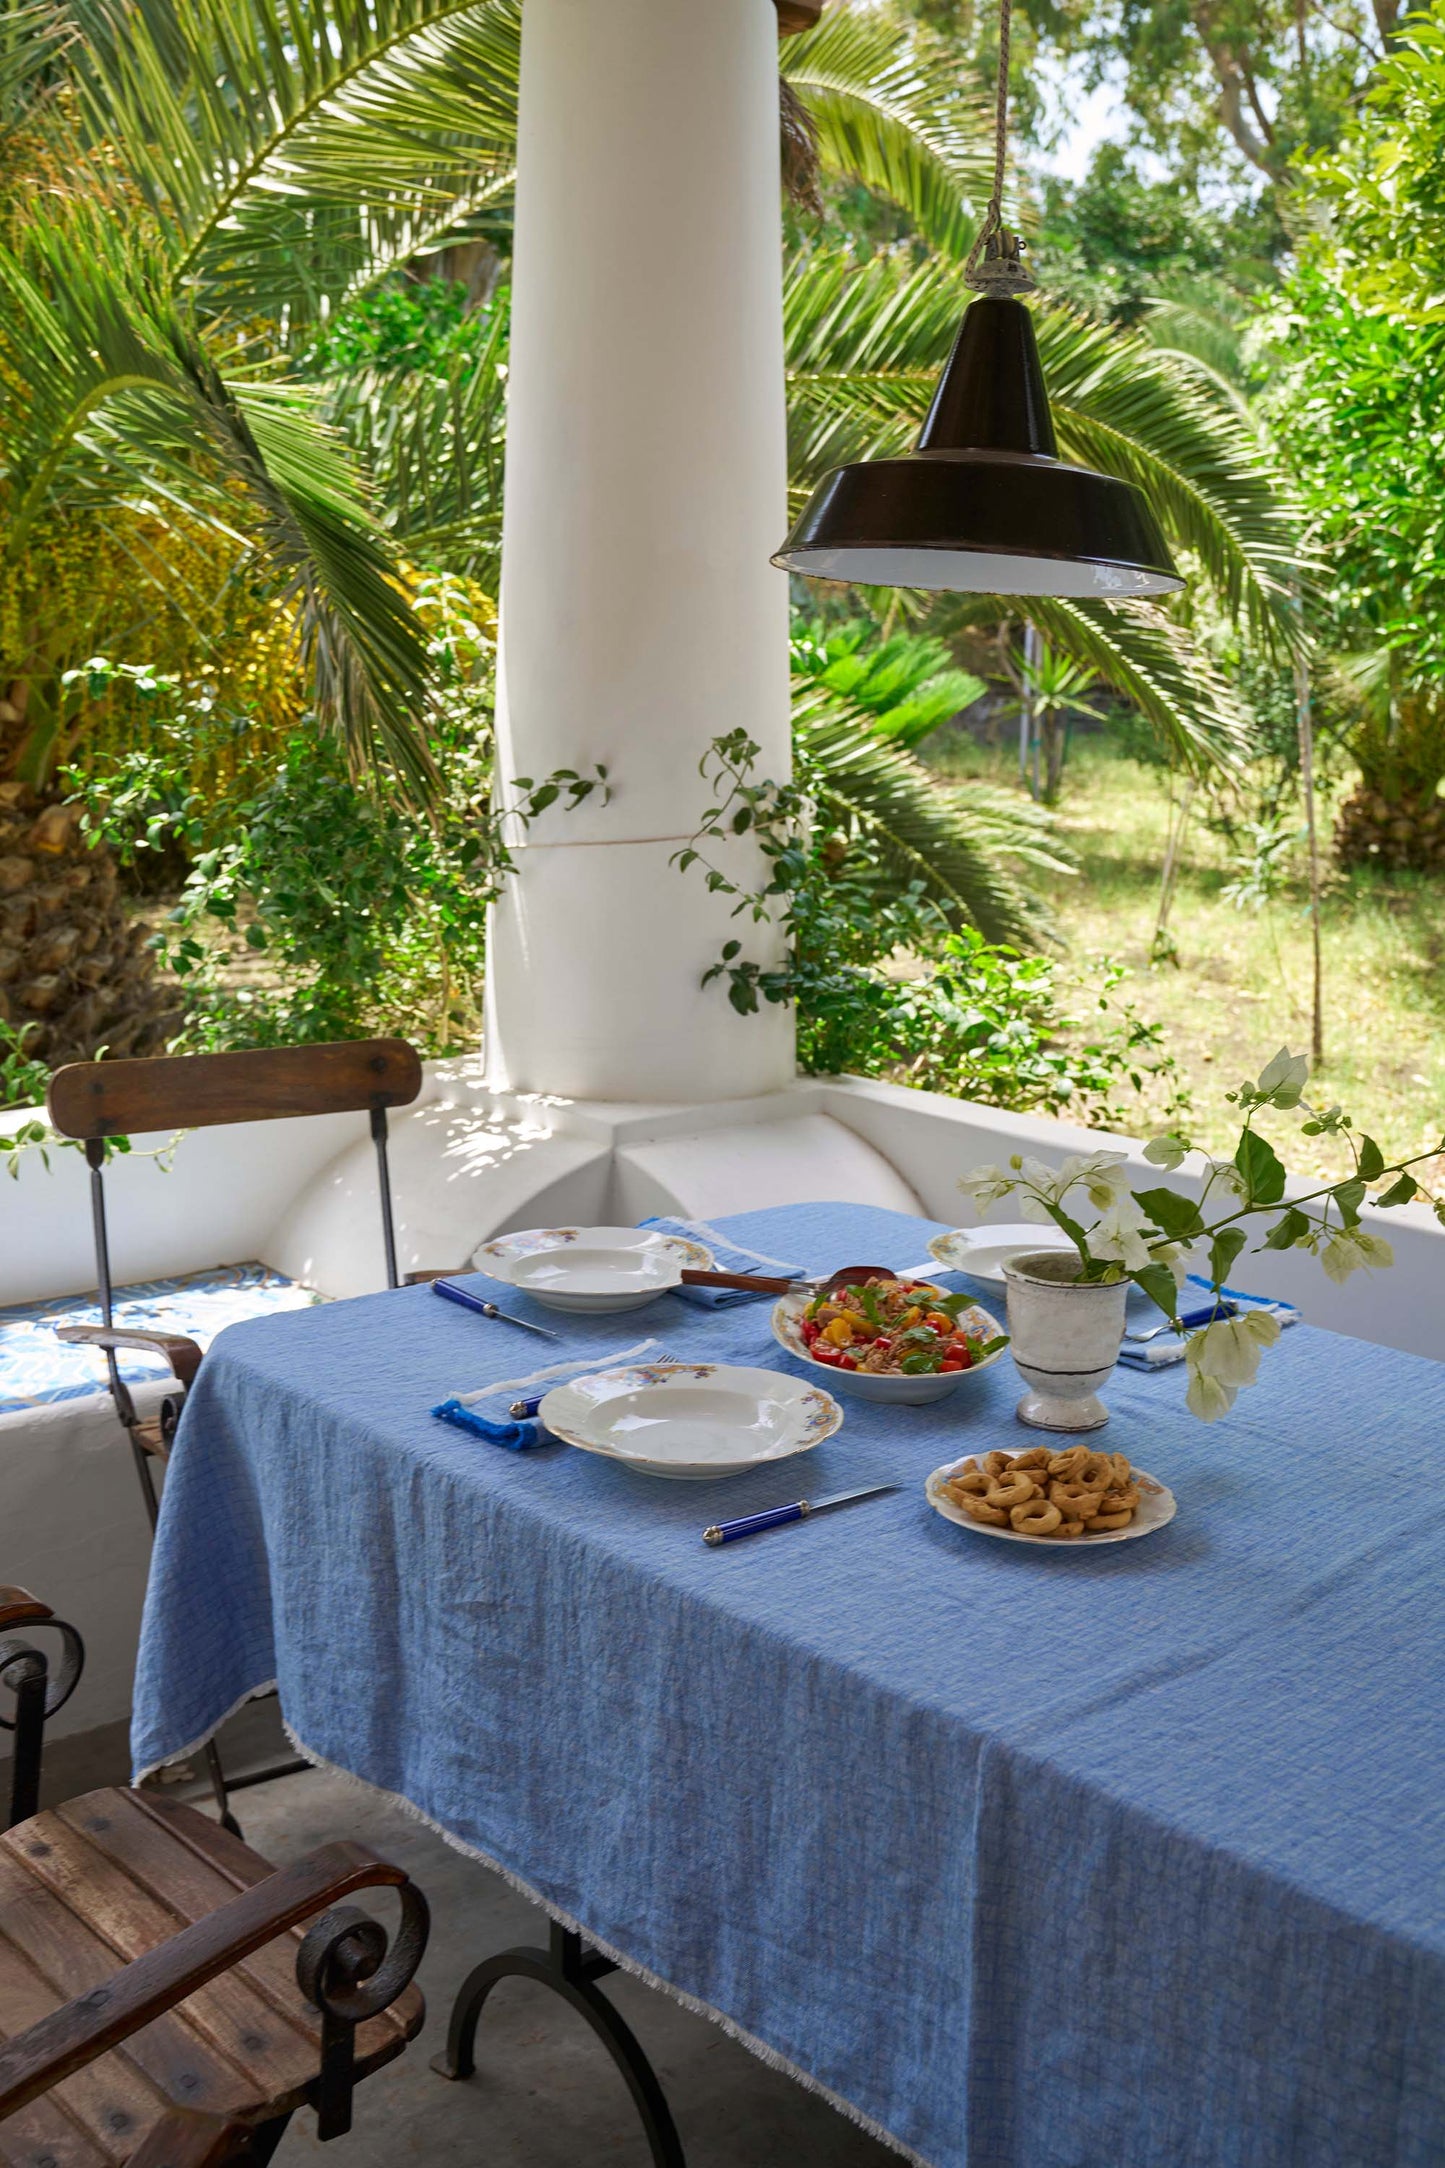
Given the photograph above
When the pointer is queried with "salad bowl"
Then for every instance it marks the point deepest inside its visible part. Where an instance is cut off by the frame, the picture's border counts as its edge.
(935, 1365)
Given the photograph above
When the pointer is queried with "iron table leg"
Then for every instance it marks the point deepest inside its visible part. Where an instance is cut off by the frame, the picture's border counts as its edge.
(572, 1973)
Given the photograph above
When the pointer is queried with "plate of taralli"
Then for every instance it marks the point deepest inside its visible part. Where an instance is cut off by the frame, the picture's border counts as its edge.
(1068, 1498)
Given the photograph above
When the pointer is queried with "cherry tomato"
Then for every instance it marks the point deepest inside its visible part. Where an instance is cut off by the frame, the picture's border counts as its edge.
(951, 1362)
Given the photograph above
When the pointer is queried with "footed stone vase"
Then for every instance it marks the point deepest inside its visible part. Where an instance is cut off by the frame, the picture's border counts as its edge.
(1066, 1334)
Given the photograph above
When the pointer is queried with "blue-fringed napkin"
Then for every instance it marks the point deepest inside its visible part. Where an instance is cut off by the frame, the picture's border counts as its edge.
(1168, 1348)
(484, 1413)
(727, 1257)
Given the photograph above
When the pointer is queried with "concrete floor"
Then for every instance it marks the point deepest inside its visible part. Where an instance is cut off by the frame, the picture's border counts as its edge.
(545, 2094)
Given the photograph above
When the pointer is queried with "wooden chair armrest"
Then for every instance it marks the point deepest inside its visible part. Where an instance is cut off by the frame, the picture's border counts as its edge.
(79, 2031)
(182, 1354)
(19, 1608)
(183, 2139)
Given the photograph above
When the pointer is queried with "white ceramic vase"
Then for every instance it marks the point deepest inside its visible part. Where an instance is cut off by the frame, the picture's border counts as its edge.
(1066, 1334)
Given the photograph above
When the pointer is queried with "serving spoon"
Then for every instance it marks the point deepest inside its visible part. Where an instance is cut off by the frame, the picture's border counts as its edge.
(759, 1283)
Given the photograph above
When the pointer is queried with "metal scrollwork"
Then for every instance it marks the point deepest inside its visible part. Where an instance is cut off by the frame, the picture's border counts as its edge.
(25, 1672)
(351, 1970)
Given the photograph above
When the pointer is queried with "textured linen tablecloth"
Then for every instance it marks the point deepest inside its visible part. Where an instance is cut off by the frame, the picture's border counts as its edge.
(1035, 1859)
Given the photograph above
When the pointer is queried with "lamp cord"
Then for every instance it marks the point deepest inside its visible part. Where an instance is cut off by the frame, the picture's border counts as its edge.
(993, 265)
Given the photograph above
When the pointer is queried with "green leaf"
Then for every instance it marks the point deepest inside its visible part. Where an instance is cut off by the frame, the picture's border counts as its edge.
(1223, 1250)
(1372, 1160)
(1262, 1168)
(1287, 1231)
(1400, 1191)
(1158, 1284)
(1176, 1216)
(991, 1347)
(1349, 1196)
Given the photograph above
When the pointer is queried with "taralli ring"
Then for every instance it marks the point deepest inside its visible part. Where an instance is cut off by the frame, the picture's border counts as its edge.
(995, 1463)
(1070, 1465)
(1080, 1504)
(979, 1509)
(1013, 1491)
(1037, 1518)
(1112, 1520)
(975, 1482)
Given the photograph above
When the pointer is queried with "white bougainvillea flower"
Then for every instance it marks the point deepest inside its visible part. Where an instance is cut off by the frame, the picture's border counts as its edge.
(1207, 1398)
(1118, 1238)
(1283, 1080)
(1223, 1174)
(1170, 1150)
(1229, 1350)
(1353, 1247)
(1176, 1256)
(983, 1186)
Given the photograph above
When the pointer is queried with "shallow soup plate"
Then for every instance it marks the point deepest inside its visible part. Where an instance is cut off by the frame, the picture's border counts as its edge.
(591, 1270)
(693, 1422)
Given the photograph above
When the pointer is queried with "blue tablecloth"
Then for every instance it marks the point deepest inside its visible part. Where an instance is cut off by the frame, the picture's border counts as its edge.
(1127, 1859)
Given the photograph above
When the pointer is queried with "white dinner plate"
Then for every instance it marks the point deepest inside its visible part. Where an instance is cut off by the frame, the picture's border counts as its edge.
(982, 1252)
(591, 1271)
(891, 1387)
(1155, 1509)
(690, 1421)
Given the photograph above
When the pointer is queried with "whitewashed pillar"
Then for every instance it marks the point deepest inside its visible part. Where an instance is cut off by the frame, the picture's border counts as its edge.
(645, 490)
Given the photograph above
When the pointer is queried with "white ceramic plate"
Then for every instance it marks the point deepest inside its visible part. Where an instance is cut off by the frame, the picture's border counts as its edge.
(591, 1271)
(1156, 1507)
(897, 1390)
(981, 1252)
(691, 1421)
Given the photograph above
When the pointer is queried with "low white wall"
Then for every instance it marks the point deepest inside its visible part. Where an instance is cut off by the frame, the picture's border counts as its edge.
(932, 1140)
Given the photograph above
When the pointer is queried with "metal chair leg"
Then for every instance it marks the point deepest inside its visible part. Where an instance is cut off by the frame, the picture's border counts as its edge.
(572, 1973)
(218, 1788)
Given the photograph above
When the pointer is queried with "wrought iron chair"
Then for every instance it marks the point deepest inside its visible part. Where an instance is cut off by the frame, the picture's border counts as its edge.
(92, 1101)
(165, 2008)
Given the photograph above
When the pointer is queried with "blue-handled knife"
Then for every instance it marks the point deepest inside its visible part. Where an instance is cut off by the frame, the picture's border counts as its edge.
(802, 1509)
(468, 1301)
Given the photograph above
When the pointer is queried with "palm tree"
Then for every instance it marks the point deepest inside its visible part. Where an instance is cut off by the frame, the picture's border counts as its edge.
(235, 171)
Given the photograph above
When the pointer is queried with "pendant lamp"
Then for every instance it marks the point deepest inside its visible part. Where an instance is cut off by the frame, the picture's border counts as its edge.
(984, 503)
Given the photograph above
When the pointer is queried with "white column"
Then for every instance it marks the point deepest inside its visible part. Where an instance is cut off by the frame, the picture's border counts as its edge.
(645, 490)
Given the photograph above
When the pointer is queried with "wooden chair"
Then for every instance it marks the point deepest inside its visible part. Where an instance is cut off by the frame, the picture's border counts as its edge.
(94, 1100)
(163, 2002)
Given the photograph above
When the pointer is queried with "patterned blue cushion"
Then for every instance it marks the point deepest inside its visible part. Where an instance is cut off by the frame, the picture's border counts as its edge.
(36, 1368)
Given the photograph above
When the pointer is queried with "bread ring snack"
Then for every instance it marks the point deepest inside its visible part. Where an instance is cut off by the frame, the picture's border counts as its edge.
(1120, 1501)
(1012, 1490)
(1037, 1456)
(979, 1509)
(1099, 1471)
(1070, 1528)
(995, 1463)
(1111, 1520)
(968, 1467)
(1037, 1518)
(1070, 1464)
(1122, 1471)
(1078, 1502)
(975, 1482)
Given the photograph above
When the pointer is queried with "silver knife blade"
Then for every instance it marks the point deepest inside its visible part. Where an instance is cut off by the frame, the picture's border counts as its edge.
(811, 1506)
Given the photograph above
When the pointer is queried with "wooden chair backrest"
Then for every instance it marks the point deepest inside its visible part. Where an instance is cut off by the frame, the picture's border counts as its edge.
(94, 1099)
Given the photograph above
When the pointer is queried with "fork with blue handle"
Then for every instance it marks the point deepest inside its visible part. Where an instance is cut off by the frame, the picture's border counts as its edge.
(521, 1410)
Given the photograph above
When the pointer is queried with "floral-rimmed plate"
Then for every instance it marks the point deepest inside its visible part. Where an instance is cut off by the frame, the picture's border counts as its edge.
(693, 1422)
(591, 1271)
(890, 1386)
(982, 1252)
(1156, 1509)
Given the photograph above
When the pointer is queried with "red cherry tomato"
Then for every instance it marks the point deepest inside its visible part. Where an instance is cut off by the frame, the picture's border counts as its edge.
(951, 1362)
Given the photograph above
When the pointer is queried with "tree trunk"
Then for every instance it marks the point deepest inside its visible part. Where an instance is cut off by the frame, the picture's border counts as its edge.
(72, 965)
(1405, 833)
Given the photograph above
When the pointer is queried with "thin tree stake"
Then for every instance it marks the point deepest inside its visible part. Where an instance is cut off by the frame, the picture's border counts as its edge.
(1305, 719)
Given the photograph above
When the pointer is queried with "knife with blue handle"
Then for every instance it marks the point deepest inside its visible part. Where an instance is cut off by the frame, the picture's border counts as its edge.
(802, 1509)
(450, 1292)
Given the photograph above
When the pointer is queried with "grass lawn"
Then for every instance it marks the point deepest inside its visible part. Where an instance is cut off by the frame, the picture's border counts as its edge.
(1241, 986)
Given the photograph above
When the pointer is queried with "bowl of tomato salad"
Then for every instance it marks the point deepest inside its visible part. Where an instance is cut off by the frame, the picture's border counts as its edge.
(905, 1341)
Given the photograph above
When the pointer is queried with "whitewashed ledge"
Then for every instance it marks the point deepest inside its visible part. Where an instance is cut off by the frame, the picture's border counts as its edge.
(469, 1162)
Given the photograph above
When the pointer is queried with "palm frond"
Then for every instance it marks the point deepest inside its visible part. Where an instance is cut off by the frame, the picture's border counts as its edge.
(250, 125)
(882, 118)
(120, 396)
(965, 848)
